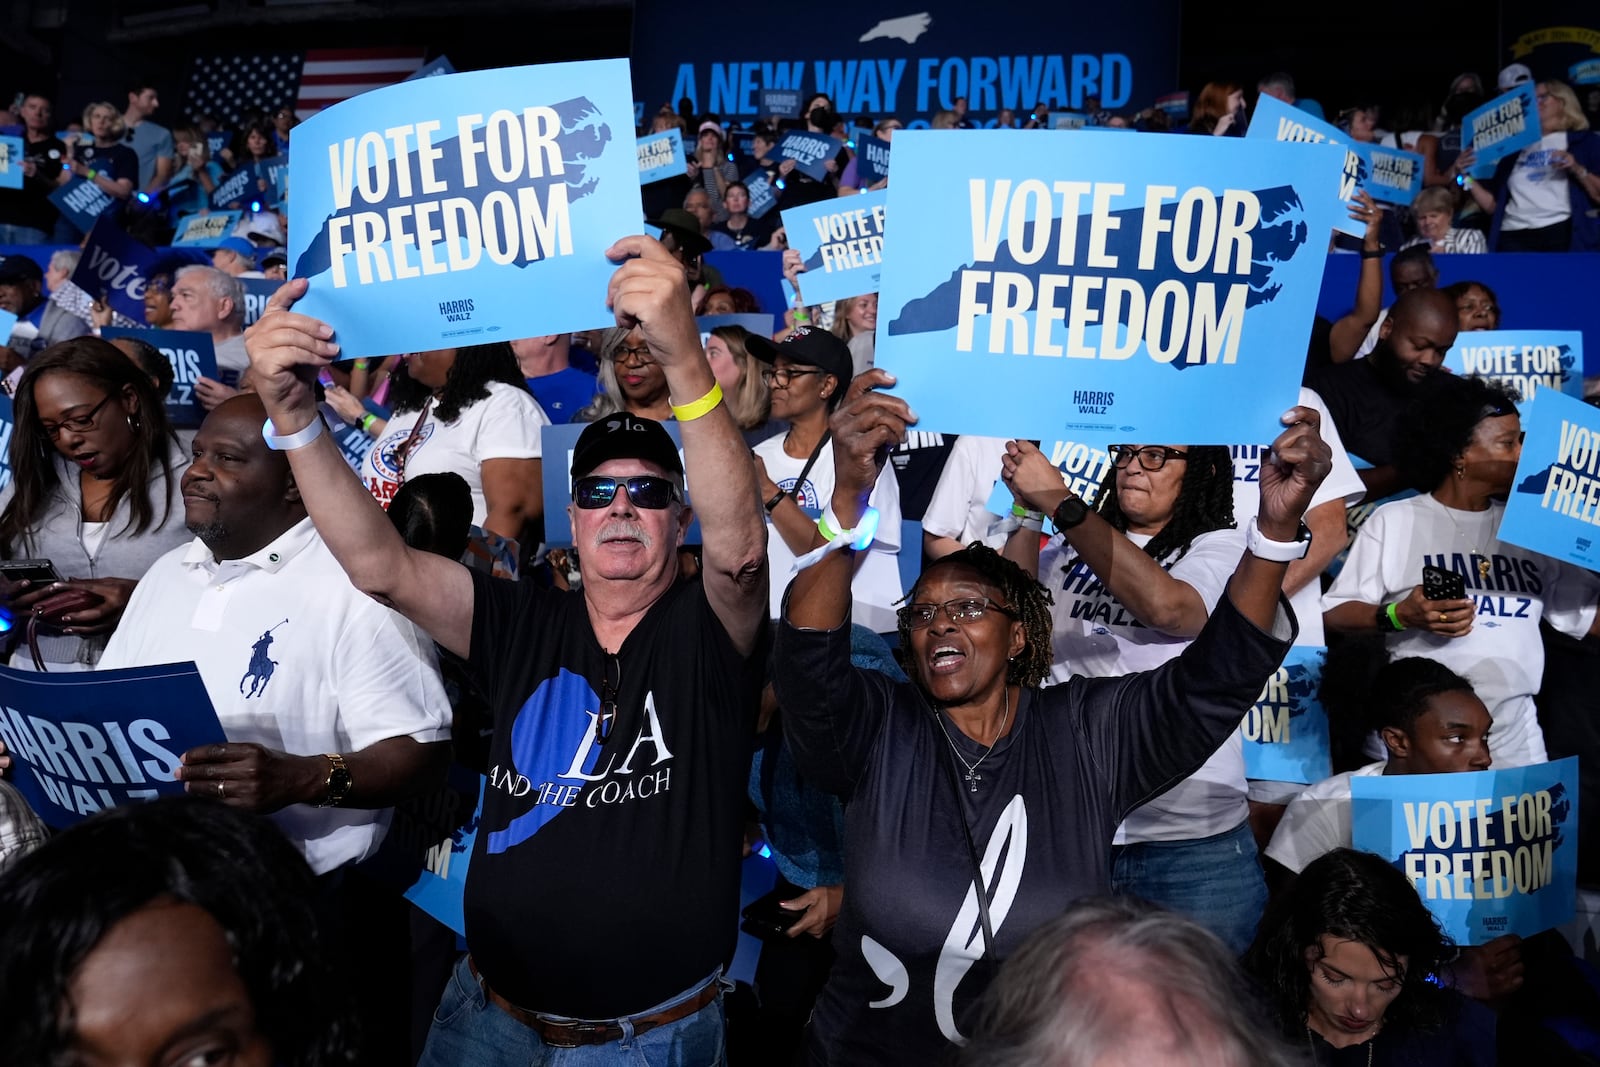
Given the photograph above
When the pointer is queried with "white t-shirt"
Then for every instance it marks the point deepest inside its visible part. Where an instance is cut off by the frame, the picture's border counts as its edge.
(1369, 342)
(959, 506)
(1095, 636)
(1317, 821)
(1502, 656)
(295, 658)
(1342, 483)
(503, 425)
(1537, 191)
(876, 586)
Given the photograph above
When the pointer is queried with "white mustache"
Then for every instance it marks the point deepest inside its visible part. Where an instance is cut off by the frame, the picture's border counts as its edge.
(622, 530)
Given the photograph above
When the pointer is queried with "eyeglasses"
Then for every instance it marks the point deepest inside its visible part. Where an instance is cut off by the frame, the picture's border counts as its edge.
(966, 609)
(625, 355)
(645, 491)
(1151, 457)
(76, 424)
(783, 375)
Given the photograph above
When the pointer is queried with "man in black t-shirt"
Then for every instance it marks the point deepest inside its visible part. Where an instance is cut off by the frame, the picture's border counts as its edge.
(603, 892)
(1367, 396)
(27, 217)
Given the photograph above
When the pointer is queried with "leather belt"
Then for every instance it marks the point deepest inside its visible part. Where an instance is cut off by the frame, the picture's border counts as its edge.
(601, 1032)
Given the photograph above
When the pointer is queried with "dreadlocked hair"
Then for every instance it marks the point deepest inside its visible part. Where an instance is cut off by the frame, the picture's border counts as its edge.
(1205, 502)
(1021, 592)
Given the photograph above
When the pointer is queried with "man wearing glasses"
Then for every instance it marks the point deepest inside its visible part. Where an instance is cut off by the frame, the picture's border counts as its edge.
(601, 897)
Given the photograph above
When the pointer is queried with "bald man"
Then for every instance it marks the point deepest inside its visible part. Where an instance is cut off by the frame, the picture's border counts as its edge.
(1366, 397)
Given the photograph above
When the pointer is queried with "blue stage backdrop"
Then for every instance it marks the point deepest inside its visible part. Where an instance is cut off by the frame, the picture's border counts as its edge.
(909, 60)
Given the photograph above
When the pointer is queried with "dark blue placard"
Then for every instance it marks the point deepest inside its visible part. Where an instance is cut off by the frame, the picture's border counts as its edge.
(432, 69)
(257, 291)
(274, 172)
(192, 355)
(781, 103)
(556, 443)
(810, 152)
(81, 742)
(759, 272)
(236, 189)
(117, 266)
(81, 201)
(872, 159)
(763, 197)
(354, 442)
(217, 140)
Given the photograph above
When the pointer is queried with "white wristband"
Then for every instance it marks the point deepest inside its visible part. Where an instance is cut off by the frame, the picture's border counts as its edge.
(858, 537)
(299, 439)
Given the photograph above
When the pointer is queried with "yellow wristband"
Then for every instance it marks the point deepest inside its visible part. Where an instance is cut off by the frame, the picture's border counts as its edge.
(696, 408)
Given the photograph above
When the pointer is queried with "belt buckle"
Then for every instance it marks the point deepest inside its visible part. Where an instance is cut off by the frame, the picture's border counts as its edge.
(562, 1040)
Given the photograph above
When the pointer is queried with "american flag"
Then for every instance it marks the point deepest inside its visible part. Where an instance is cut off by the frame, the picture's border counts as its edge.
(227, 85)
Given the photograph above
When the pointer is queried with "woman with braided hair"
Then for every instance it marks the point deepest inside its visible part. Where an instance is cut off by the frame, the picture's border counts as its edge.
(1190, 849)
(979, 802)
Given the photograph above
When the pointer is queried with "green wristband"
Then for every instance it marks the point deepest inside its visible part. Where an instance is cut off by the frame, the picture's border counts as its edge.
(1394, 617)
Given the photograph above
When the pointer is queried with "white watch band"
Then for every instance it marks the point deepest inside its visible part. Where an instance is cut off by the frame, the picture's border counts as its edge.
(1262, 547)
(299, 439)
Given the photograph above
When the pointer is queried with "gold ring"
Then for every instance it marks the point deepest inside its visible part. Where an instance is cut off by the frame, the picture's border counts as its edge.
(1441, 616)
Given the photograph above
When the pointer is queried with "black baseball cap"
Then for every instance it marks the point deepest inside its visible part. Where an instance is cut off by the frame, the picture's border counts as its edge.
(624, 436)
(807, 345)
(19, 268)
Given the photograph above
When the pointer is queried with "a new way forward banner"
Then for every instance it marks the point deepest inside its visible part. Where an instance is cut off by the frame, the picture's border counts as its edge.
(1088, 288)
(428, 214)
(1491, 852)
(84, 741)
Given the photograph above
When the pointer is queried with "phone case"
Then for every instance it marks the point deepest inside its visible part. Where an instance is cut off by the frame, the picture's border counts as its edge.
(1439, 584)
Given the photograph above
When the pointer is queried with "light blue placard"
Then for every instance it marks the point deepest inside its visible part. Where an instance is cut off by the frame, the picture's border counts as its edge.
(193, 356)
(1502, 127)
(496, 222)
(83, 741)
(1068, 120)
(810, 152)
(841, 243)
(782, 103)
(1525, 360)
(1554, 505)
(7, 321)
(11, 156)
(81, 201)
(1490, 852)
(556, 443)
(763, 197)
(1286, 730)
(432, 69)
(1585, 73)
(755, 323)
(1394, 176)
(204, 229)
(237, 190)
(1276, 121)
(1196, 357)
(661, 157)
(6, 423)
(872, 159)
(1083, 467)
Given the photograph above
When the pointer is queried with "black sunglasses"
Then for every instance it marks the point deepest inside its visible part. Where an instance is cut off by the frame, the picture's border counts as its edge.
(645, 491)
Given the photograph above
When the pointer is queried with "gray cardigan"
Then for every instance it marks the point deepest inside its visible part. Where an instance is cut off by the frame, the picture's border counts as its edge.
(58, 537)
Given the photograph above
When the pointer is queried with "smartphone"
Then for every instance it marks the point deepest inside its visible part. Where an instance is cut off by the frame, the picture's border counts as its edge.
(37, 571)
(325, 377)
(1440, 584)
(763, 918)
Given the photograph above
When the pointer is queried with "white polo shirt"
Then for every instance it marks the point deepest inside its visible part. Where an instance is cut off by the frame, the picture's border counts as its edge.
(295, 658)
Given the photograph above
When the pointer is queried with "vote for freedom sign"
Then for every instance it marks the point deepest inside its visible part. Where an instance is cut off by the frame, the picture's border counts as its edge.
(1090, 288)
(840, 242)
(465, 208)
(1554, 504)
(1490, 852)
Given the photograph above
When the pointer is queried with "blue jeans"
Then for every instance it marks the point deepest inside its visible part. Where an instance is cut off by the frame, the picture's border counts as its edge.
(468, 1029)
(21, 235)
(1216, 881)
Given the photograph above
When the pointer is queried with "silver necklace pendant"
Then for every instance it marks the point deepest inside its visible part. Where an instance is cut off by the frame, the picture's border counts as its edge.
(973, 778)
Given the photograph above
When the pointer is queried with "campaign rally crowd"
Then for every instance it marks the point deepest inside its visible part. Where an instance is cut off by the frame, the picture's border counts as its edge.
(997, 764)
